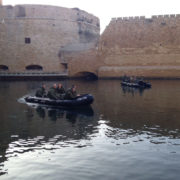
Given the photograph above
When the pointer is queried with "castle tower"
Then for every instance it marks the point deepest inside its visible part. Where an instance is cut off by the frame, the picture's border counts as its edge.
(1, 3)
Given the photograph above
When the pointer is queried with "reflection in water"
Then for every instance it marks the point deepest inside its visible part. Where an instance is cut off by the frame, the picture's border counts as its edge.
(70, 114)
(125, 126)
(55, 113)
(41, 112)
(133, 90)
(70, 127)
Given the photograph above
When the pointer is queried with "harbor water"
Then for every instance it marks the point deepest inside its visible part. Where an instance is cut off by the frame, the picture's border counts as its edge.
(126, 134)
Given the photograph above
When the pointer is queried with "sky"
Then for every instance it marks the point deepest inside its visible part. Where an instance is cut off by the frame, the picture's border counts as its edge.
(107, 9)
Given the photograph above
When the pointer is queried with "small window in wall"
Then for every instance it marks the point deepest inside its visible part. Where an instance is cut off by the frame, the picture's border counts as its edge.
(27, 40)
(65, 66)
(34, 67)
(3, 68)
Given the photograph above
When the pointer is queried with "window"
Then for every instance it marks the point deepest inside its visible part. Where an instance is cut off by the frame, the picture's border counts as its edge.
(34, 67)
(3, 68)
(27, 40)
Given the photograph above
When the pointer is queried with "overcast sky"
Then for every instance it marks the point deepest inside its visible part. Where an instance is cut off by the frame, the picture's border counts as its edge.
(107, 9)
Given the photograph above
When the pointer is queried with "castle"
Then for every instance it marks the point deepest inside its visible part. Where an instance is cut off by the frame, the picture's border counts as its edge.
(44, 38)
(141, 46)
(50, 39)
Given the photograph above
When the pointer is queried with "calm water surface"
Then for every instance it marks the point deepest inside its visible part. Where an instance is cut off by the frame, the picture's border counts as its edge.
(126, 134)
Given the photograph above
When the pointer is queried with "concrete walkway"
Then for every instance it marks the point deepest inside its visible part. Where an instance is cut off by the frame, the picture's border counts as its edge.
(32, 75)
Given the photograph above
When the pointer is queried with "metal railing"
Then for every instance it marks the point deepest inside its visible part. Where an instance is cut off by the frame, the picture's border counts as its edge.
(43, 74)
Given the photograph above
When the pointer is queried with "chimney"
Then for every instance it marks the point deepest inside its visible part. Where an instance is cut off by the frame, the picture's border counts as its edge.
(1, 3)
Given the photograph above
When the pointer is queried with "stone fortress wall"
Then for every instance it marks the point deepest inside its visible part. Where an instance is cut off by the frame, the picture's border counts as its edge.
(141, 46)
(55, 40)
(39, 36)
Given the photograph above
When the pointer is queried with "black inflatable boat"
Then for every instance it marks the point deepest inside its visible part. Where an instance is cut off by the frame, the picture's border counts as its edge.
(79, 101)
(139, 84)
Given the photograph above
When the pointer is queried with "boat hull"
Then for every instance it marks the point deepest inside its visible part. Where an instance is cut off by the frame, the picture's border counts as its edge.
(141, 84)
(84, 100)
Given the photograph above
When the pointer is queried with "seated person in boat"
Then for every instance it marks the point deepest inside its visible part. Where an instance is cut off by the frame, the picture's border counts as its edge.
(126, 78)
(41, 92)
(71, 93)
(52, 93)
(139, 79)
(60, 91)
(133, 79)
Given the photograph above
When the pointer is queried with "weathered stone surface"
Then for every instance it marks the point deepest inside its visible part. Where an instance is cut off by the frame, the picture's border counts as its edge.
(42, 35)
(67, 40)
(86, 61)
(140, 46)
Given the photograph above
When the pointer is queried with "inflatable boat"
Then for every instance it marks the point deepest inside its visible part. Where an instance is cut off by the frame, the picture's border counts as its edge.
(139, 84)
(79, 101)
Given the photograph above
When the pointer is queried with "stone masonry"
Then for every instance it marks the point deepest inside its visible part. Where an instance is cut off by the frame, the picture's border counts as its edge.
(41, 37)
(61, 40)
(141, 46)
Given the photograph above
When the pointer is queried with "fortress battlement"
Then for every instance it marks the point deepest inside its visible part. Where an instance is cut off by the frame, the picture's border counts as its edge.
(166, 17)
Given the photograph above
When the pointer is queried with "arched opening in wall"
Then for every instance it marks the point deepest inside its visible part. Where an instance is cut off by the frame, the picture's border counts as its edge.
(86, 75)
(34, 68)
(3, 68)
